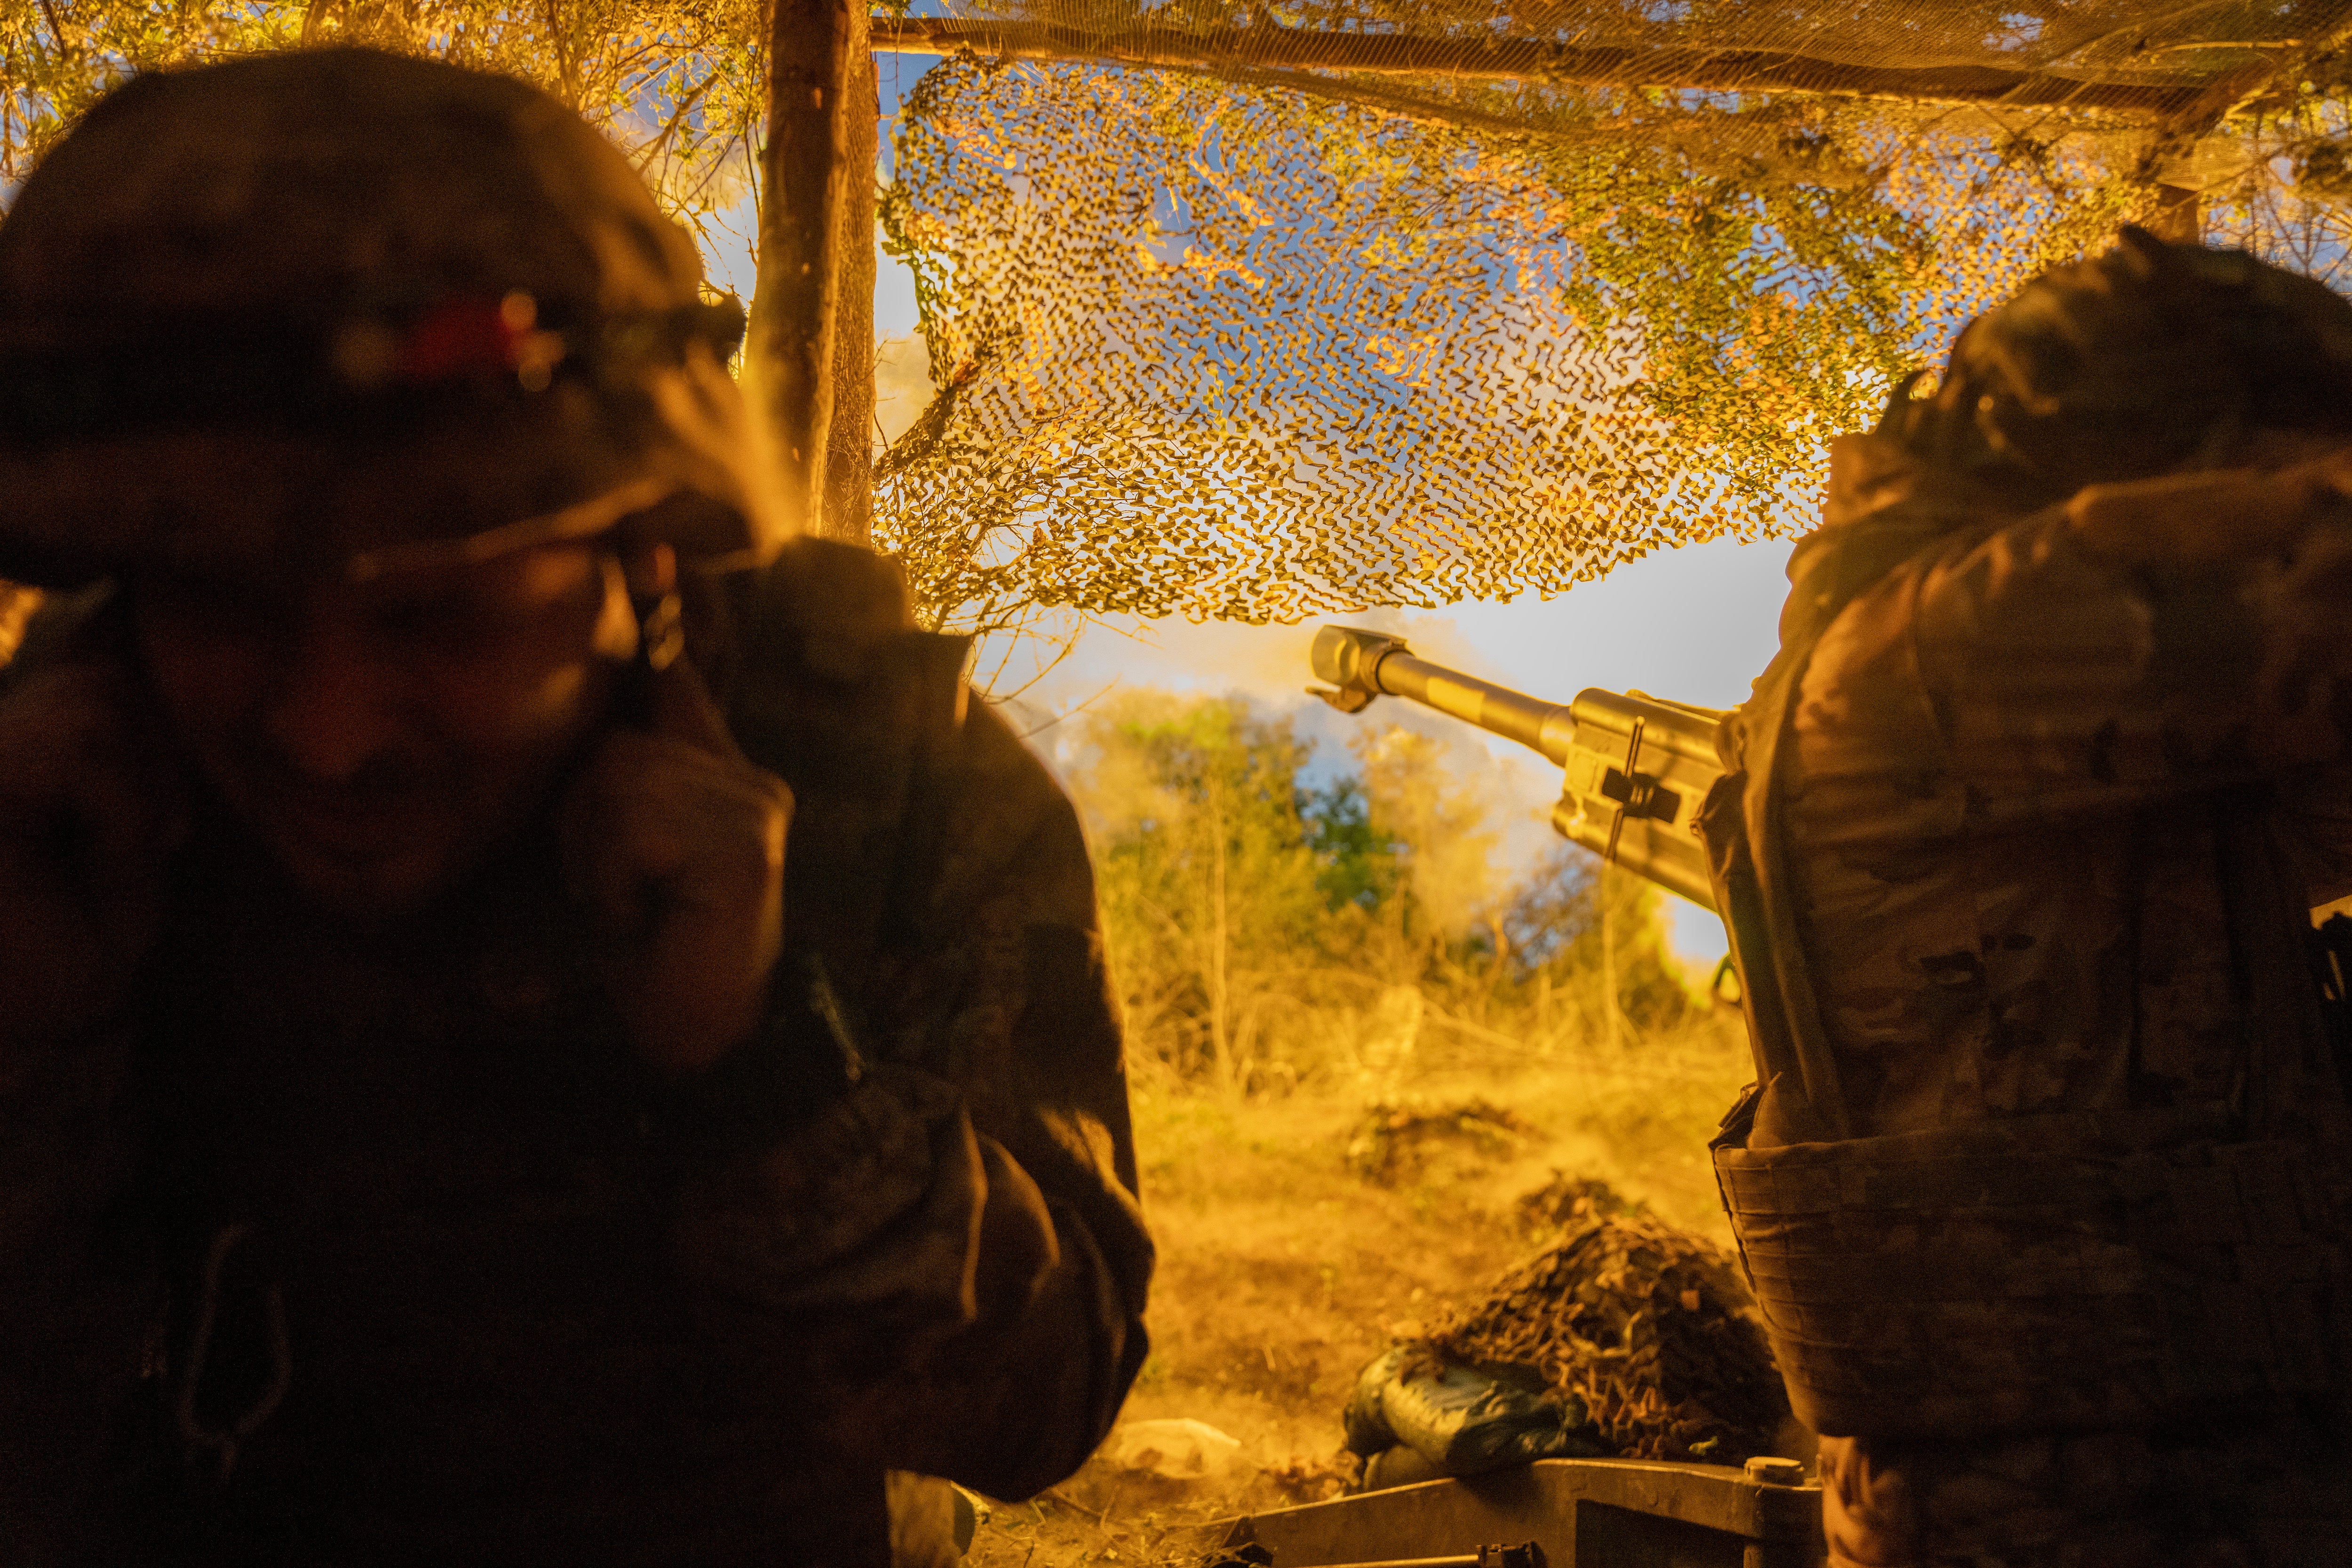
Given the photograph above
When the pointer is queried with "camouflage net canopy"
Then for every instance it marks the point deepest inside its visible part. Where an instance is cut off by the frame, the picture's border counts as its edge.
(1264, 311)
(1261, 311)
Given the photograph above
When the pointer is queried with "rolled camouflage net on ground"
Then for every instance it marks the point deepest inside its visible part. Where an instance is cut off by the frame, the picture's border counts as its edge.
(1648, 1328)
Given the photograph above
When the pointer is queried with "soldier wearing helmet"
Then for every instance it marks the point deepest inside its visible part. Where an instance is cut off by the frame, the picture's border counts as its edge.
(2043, 1190)
(539, 1025)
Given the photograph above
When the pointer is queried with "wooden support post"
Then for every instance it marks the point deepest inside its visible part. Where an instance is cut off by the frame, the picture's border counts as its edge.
(817, 59)
(2179, 215)
(849, 449)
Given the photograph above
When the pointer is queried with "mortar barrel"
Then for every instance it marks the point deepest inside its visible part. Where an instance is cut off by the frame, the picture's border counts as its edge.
(1548, 727)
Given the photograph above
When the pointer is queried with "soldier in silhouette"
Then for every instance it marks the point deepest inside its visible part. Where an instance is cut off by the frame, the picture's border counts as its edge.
(2043, 1188)
(537, 1024)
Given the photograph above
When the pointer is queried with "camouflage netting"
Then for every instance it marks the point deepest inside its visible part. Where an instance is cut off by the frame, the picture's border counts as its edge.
(1367, 301)
(1648, 1328)
(1264, 311)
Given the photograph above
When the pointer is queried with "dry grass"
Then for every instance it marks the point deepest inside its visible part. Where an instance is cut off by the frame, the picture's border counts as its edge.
(1282, 1272)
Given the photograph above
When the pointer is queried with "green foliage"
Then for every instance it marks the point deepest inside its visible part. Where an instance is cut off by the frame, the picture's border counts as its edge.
(678, 83)
(1356, 864)
(56, 58)
(1266, 934)
(1205, 873)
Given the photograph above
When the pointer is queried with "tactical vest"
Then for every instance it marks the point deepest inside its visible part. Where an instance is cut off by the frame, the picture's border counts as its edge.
(2036, 1272)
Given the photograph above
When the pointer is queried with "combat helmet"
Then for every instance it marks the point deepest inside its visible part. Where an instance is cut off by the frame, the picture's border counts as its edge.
(339, 310)
(2151, 358)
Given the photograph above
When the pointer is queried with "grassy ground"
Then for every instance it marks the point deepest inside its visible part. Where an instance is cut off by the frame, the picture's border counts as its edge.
(1283, 1271)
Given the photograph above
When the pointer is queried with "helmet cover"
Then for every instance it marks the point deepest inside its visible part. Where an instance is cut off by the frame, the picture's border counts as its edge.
(2152, 358)
(337, 310)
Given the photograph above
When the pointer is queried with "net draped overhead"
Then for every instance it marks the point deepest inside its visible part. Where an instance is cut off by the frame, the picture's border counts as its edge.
(1273, 310)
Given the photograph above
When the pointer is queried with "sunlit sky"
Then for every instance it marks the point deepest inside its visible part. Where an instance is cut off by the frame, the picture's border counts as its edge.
(1694, 624)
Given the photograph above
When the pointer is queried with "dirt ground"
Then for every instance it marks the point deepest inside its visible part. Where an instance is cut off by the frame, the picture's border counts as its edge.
(1283, 1271)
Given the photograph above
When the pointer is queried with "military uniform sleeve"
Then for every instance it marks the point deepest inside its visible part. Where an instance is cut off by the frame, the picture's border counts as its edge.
(949, 1255)
(955, 1240)
(2021, 678)
(1020, 1397)
(65, 1153)
(73, 1309)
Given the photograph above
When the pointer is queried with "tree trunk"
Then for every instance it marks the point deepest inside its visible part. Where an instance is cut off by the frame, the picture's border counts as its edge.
(817, 61)
(849, 447)
(1611, 1018)
(1221, 1032)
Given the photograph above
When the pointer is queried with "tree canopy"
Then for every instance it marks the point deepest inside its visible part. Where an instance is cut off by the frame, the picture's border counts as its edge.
(678, 83)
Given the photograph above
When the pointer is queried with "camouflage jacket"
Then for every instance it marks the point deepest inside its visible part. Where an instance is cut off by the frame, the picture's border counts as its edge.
(2014, 776)
(400, 1236)
(2023, 847)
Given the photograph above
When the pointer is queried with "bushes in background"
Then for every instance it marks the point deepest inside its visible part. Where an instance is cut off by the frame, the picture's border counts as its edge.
(1269, 928)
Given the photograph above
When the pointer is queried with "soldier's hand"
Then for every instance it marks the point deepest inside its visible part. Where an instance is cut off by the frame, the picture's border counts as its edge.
(675, 841)
(91, 807)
